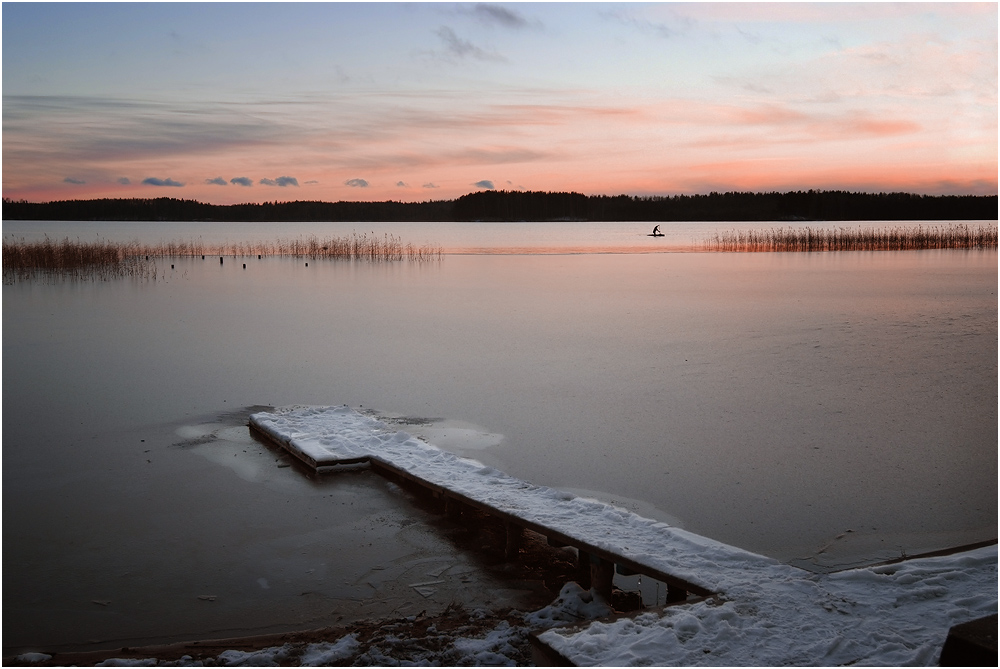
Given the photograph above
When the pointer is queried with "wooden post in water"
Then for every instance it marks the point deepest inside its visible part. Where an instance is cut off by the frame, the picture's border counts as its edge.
(515, 537)
(602, 576)
(582, 569)
(676, 594)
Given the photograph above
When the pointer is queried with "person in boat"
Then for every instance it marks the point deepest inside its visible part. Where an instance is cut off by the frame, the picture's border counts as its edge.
(656, 232)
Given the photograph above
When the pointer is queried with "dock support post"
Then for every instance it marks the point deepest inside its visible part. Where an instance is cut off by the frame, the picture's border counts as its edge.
(452, 508)
(602, 576)
(583, 569)
(676, 594)
(515, 536)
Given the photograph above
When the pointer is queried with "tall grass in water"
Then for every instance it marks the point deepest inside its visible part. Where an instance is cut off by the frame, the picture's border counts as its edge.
(953, 236)
(371, 248)
(94, 261)
(105, 260)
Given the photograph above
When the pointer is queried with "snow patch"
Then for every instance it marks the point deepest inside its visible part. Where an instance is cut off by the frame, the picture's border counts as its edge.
(325, 653)
(573, 605)
(30, 658)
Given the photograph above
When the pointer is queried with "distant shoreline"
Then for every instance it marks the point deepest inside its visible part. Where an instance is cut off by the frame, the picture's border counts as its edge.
(515, 206)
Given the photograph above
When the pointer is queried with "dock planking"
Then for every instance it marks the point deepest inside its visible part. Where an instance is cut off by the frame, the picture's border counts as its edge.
(599, 557)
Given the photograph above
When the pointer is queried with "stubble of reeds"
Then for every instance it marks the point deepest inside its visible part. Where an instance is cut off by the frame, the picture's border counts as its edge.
(91, 261)
(106, 260)
(952, 236)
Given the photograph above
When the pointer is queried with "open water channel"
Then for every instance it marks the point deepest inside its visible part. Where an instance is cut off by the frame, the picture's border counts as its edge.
(827, 409)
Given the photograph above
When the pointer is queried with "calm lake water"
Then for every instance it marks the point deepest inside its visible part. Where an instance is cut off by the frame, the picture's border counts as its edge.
(558, 237)
(826, 409)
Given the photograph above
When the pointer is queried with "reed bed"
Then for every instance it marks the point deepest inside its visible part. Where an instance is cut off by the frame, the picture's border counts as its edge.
(106, 260)
(952, 236)
(94, 261)
(372, 248)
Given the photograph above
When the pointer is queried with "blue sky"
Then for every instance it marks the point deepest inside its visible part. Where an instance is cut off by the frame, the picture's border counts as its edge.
(239, 102)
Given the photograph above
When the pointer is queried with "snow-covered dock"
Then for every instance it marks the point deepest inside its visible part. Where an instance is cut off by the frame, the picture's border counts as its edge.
(742, 608)
(608, 537)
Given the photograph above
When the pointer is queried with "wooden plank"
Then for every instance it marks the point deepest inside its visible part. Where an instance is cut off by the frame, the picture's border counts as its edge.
(676, 584)
(307, 459)
(550, 533)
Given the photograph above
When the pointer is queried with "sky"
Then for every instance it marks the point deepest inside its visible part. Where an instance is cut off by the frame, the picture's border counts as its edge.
(251, 102)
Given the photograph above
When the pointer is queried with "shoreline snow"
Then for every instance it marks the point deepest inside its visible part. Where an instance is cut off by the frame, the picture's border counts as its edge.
(895, 615)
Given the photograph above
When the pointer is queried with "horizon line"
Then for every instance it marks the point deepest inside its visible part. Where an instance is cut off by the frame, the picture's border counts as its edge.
(9, 200)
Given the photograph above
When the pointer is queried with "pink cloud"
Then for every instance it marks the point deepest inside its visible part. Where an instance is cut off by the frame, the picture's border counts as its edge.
(876, 127)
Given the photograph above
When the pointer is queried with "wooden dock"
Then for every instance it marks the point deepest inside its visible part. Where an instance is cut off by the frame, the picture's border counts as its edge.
(725, 606)
(598, 561)
(603, 563)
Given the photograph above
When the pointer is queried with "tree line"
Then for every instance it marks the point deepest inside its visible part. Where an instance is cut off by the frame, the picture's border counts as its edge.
(812, 205)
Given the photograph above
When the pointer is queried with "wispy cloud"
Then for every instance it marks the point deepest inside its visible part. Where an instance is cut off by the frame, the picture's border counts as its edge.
(485, 183)
(472, 155)
(125, 181)
(866, 125)
(461, 48)
(217, 181)
(280, 181)
(678, 25)
(922, 71)
(71, 180)
(498, 15)
(136, 129)
(508, 115)
(498, 155)
(376, 131)
(430, 185)
(401, 184)
(356, 183)
(800, 126)
(154, 181)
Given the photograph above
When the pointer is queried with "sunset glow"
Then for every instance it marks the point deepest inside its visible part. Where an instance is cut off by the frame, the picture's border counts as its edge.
(228, 103)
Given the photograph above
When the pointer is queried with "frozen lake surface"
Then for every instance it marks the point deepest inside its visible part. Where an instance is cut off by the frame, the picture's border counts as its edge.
(824, 409)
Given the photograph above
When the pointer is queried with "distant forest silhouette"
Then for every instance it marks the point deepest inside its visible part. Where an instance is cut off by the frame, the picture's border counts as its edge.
(810, 205)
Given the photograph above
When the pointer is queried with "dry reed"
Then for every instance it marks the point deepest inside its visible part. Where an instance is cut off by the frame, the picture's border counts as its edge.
(95, 261)
(105, 260)
(952, 236)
